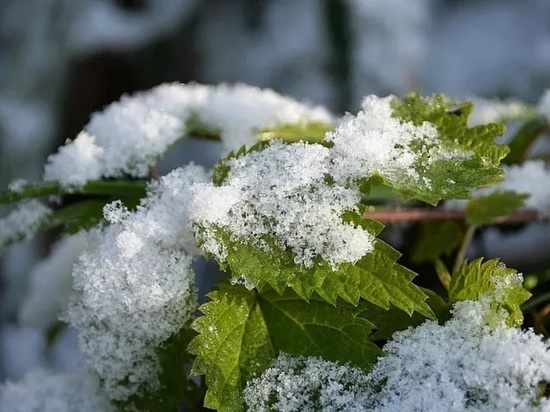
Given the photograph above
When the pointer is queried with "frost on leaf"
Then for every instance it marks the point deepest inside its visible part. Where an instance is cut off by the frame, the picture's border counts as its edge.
(422, 148)
(493, 282)
(280, 206)
(134, 290)
(131, 134)
(241, 332)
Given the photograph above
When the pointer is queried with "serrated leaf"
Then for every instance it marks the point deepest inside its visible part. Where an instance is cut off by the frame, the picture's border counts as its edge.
(436, 239)
(490, 280)
(464, 158)
(376, 277)
(242, 331)
(482, 210)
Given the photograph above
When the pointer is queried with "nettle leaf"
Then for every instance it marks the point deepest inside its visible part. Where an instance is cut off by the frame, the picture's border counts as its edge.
(463, 158)
(242, 331)
(490, 280)
(482, 210)
(376, 277)
(436, 239)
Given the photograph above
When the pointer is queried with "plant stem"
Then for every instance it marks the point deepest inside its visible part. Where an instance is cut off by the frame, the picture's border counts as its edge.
(419, 214)
(466, 242)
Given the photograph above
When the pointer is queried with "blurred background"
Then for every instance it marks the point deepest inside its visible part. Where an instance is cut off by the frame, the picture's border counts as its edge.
(61, 60)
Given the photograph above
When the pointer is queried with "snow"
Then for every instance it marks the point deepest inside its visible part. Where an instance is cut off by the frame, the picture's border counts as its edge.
(129, 136)
(23, 222)
(134, 290)
(46, 392)
(374, 142)
(50, 283)
(281, 192)
(463, 365)
(306, 384)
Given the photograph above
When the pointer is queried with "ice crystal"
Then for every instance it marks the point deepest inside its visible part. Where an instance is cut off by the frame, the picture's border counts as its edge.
(24, 221)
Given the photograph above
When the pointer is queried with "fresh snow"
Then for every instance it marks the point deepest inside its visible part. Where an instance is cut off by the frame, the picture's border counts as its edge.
(282, 191)
(462, 365)
(135, 289)
(46, 392)
(24, 221)
(129, 136)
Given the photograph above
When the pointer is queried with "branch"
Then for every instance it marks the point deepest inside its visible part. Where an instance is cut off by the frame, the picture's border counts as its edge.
(418, 214)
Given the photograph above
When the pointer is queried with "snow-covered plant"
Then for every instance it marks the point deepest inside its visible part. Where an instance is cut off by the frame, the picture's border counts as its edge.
(314, 312)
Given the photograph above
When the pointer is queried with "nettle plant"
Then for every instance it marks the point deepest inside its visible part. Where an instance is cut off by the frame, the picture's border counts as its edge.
(313, 312)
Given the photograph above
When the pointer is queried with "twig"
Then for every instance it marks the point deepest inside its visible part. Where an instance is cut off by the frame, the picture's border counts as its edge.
(418, 214)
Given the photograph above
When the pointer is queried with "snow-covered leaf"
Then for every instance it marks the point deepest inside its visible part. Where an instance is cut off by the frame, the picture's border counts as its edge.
(490, 280)
(242, 331)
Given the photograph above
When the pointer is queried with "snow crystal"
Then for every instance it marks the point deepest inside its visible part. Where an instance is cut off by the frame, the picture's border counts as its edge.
(130, 135)
(281, 191)
(51, 283)
(375, 142)
(45, 392)
(308, 385)
(24, 221)
(135, 290)
(461, 366)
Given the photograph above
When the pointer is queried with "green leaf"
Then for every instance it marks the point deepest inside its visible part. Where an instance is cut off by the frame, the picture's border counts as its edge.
(492, 280)
(232, 347)
(242, 331)
(436, 239)
(482, 210)
(376, 277)
(465, 158)
(132, 188)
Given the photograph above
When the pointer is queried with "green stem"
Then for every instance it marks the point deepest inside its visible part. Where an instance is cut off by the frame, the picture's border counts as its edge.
(466, 242)
(100, 187)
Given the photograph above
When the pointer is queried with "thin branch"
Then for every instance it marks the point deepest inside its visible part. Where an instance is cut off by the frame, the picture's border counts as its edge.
(418, 214)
